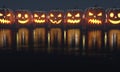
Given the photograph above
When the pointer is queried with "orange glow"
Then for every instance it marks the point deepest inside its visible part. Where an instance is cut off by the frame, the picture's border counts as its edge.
(73, 35)
(39, 37)
(95, 21)
(112, 14)
(100, 14)
(4, 21)
(5, 38)
(55, 22)
(69, 15)
(114, 38)
(22, 37)
(94, 39)
(114, 21)
(55, 33)
(73, 21)
(23, 21)
(90, 14)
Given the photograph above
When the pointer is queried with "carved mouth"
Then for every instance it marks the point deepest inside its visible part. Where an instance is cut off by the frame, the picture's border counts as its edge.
(39, 21)
(95, 21)
(73, 21)
(114, 22)
(23, 22)
(3, 21)
(56, 22)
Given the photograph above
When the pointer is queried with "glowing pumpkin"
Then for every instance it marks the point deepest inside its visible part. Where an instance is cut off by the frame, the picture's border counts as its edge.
(73, 16)
(113, 16)
(23, 17)
(39, 17)
(6, 16)
(94, 15)
(55, 17)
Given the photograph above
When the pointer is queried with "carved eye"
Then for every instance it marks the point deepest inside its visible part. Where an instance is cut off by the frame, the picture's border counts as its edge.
(1, 14)
(77, 15)
(119, 15)
(26, 15)
(59, 15)
(69, 15)
(19, 15)
(100, 14)
(111, 14)
(90, 14)
(8, 14)
(51, 15)
(43, 16)
(35, 15)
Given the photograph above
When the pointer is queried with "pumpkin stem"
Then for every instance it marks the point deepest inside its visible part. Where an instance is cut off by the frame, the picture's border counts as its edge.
(95, 5)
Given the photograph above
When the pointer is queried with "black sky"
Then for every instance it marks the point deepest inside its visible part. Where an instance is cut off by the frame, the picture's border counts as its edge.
(57, 4)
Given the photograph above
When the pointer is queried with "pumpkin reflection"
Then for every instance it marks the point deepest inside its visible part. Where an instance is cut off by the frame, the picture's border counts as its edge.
(73, 37)
(94, 39)
(5, 38)
(39, 37)
(114, 38)
(22, 37)
(55, 37)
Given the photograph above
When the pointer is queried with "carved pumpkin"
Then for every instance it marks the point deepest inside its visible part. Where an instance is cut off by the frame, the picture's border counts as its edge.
(55, 17)
(113, 16)
(94, 15)
(6, 16)
(73, 16)
(39, 17)
(23, 17)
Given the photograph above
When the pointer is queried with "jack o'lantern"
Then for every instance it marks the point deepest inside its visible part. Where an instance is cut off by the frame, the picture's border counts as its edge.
(39, 17)
(73, 16)
(6, 16)
(113, 16)
(55, 17)
(23, 16)
(94, 15)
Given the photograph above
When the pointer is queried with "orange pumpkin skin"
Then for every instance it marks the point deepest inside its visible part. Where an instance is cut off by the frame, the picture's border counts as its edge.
(94, 15)
(23, 17)
(73, 17)
(39, 17)
(55, 17)
(113, 16)
(6, 16)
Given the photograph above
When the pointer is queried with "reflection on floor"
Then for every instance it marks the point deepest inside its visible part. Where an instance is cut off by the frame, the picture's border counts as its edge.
(58, 41)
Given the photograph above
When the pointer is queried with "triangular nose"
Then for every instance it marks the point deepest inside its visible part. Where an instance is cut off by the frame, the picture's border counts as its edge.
(22, 17)
(115, 16)
(94, 16)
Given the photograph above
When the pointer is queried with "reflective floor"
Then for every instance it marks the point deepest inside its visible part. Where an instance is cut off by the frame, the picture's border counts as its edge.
(58, 41)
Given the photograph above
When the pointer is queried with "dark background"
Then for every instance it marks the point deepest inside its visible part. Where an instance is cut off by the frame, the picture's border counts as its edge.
(57, 4)
(47, 5)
